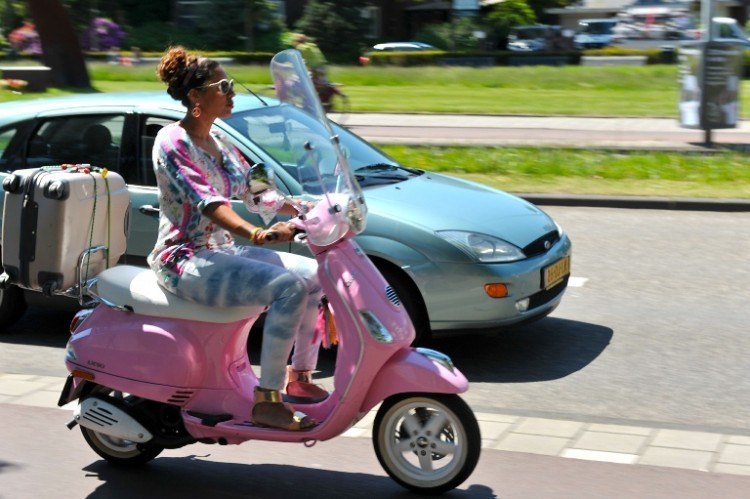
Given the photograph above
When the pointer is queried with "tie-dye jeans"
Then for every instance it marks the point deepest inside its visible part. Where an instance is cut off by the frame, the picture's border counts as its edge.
(249, 275)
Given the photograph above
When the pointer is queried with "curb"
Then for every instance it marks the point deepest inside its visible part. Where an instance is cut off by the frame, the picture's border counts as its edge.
(639, 202)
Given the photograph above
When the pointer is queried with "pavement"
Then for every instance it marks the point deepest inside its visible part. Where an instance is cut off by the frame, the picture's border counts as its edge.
(621, 134)
(613, 443)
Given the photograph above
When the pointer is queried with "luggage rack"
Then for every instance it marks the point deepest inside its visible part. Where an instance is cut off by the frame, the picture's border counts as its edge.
(82, 290)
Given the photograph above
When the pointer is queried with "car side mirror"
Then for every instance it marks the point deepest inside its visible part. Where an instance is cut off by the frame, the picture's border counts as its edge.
(260, 179)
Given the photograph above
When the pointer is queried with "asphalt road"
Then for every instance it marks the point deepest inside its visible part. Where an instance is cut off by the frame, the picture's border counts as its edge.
(651, 331)
(41, 459)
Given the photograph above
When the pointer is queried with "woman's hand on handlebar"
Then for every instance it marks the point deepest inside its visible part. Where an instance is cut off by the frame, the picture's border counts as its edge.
(278, 232)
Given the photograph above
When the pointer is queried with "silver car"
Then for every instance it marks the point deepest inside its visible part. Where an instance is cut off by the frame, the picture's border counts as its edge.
(461, 256)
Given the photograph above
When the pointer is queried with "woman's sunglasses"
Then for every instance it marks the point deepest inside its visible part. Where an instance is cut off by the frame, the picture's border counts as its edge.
(225, 86)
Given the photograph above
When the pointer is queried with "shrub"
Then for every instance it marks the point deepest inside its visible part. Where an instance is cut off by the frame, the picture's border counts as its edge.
(25, 39)
(102, 34)
(499, 58)
(451, 36)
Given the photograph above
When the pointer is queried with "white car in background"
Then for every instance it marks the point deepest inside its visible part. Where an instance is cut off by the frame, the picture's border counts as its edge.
(403, 47)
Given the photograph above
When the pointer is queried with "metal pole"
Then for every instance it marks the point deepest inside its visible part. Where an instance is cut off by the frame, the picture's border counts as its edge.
(707, 15)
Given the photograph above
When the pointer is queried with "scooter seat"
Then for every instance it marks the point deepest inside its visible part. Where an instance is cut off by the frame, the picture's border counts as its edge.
(136, 289)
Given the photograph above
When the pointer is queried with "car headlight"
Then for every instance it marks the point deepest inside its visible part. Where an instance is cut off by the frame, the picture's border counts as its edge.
(560, 230)
(483, 247)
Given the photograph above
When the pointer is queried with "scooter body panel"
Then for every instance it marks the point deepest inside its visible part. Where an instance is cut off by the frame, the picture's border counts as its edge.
(147, 350)
(410, 371)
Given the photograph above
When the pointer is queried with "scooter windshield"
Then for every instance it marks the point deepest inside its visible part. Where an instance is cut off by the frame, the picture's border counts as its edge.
(319, 164)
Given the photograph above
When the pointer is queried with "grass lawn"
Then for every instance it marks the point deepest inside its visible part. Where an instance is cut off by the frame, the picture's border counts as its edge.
(530, 170)
(530, 90)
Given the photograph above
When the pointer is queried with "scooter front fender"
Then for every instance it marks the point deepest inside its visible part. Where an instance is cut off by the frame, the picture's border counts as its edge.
(417, 370)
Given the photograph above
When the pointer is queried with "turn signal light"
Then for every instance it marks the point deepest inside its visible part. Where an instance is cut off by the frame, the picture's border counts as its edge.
(83, 374)
(496, 290)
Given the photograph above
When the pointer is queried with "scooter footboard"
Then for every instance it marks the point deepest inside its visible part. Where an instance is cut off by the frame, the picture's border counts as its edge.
(415, 370)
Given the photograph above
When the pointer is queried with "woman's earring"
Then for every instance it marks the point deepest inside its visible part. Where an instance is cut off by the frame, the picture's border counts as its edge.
(196, 112)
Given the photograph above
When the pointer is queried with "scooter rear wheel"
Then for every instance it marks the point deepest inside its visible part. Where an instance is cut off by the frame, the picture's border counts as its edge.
(428, 443)
(116, 450)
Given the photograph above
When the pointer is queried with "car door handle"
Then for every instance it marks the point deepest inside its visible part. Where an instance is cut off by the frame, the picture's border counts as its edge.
(150, 210)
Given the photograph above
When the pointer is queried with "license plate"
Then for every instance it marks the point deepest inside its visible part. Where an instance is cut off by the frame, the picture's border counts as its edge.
(555, 273)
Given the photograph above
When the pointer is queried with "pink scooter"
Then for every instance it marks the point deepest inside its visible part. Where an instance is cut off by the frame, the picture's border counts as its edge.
(152, 371)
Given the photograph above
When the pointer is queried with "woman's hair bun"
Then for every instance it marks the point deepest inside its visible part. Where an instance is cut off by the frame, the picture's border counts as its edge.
(172, 70)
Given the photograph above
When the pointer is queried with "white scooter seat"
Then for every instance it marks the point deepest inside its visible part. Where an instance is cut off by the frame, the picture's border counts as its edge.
(136, 289)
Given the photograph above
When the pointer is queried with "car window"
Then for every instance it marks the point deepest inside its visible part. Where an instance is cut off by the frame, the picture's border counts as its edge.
(94, 139)
(277, 129)
(149, 128)
(12, 145)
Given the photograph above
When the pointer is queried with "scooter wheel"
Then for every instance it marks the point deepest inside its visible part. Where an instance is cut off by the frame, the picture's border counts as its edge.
(116, 450)
(428, 443)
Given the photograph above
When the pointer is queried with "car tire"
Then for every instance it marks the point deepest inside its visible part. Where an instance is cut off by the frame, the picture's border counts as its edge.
(411, 298)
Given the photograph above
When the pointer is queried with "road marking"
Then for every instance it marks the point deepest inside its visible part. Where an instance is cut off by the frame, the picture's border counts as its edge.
(597, 455)
(577, 282)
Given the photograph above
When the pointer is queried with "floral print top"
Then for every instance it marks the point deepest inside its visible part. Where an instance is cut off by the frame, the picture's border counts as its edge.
(189, 180)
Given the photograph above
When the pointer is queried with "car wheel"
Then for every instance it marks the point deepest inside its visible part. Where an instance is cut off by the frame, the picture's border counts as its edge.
(12, 306)
(411, 298)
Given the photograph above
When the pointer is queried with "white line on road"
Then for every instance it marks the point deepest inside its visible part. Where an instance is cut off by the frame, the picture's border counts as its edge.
(577, 282)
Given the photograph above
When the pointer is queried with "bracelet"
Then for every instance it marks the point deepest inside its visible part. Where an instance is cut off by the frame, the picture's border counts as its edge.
(254, 235)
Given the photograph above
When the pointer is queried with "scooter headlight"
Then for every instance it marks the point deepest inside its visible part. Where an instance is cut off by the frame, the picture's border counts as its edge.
(375, 327)
(70, 353)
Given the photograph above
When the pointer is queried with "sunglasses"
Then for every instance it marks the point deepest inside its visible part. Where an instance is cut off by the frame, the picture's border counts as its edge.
(225, 86)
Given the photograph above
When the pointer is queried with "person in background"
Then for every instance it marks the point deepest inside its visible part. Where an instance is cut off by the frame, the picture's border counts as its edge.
(195, 257)
(314, 58)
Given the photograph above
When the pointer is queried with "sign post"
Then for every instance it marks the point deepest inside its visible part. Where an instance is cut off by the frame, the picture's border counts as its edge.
(710, 75)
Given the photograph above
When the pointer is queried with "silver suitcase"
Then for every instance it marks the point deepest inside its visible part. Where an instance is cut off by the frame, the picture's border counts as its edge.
(53, 216)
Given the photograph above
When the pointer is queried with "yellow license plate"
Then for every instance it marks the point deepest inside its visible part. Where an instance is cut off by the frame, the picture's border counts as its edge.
(556, 272)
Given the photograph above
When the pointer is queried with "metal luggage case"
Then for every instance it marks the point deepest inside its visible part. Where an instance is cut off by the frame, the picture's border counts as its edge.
(52, 216)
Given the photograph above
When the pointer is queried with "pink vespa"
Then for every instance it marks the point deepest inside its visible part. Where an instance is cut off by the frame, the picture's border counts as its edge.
(153, 372)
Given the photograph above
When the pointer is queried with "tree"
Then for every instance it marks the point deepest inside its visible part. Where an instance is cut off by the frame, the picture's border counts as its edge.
(61, 50)
(252, 24)
(338, 28)
(505, 15)
(11, 16)
(540, 7)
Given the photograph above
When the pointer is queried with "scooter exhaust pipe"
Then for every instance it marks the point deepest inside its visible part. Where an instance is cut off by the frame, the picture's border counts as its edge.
(103, 417)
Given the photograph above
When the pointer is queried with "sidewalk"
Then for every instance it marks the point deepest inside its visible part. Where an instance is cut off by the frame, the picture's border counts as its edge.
(673, 448)
(545, 131)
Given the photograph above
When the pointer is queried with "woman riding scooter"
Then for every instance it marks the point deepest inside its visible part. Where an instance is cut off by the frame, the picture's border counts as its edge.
(195, 256)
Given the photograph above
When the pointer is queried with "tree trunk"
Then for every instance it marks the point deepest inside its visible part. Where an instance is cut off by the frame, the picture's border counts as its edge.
(249, 27)
(61, 50)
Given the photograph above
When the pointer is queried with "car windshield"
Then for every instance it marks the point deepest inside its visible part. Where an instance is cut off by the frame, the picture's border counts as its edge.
(597, 28)
(279, 131)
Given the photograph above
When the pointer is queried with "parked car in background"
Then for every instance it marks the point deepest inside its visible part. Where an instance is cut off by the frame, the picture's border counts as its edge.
(460, 255)
(395, 47)
(402, 47)
(537, 37)
(726, 29)
(594, 33)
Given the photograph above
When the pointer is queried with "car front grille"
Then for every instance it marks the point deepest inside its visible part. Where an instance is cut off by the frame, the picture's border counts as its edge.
(547, 295)
(541, 245)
